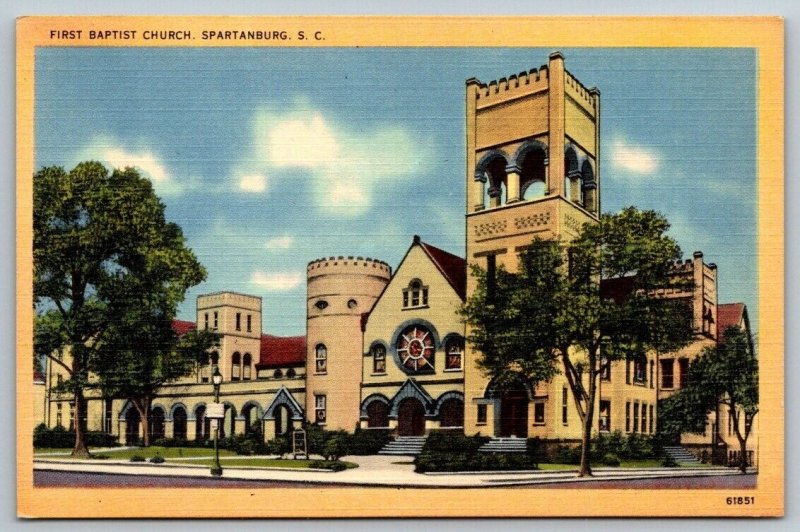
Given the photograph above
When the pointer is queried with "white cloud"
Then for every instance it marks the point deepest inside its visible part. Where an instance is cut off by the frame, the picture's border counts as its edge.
(276, 282)
(253, 183)
(112, 153)
(279, 242)
(633, 158)
(342, 165)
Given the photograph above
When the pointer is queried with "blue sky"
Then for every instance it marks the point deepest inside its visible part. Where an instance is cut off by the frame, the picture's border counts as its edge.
(269, 158)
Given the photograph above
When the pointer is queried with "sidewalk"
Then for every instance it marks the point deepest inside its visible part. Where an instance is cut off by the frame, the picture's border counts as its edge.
(378, 470)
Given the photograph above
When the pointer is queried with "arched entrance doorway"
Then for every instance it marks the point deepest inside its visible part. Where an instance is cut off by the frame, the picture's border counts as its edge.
(179, 423)
(132, 420)
(283, 421)
(514, 412)
(410, 418)
(377, 414)
(157, 423)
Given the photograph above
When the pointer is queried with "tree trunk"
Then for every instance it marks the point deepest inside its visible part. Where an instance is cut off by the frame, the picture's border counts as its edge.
(79, 450)
(143, 407)
(743, 459)
(586, 438)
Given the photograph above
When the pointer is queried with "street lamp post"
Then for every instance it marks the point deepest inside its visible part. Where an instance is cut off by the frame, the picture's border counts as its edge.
(216, 379)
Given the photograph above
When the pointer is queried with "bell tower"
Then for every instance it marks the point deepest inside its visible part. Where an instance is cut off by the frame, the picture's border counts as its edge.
(533, 150)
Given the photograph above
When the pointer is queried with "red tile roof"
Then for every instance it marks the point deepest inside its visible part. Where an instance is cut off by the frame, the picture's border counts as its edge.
(182, 327)
(280, 351)
(453, 267)
(728, 315)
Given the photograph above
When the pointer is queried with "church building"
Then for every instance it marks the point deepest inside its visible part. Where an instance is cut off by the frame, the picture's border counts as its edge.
(385, 348)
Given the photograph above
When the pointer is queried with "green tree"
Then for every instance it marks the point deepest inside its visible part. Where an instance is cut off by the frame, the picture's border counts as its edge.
(725, 375)
(102, 251)
(553, 315)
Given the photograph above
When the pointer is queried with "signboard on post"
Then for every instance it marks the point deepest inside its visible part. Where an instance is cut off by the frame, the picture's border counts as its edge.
(215, 411)
(299, 444)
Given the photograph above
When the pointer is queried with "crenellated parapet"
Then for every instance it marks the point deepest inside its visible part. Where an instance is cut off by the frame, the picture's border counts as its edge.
(348, 265)
(514, 86)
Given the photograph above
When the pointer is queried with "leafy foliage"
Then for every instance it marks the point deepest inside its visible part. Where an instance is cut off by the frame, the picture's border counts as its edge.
(726, 375)
(554, 309)
(109, 272)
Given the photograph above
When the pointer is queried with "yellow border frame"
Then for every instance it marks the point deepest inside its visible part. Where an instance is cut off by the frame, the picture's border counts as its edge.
(763, 34)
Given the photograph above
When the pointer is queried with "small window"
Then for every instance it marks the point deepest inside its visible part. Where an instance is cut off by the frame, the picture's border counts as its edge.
(667, 376)
(652, 418)
(320, 410)
(605, 416)
(236, 366)
(455, 354)
(652, 380)
(238, 321)
(277, 374)
(321, 304)
(564, 397)
(321, 358)
(640, 370)
(628, 416)
(605, 369)
(481, 413)
(644, 418)
(538, 413)
(205, 319)
(635, 417)
(247, 361)
(216, 320)
(249, 323)
(415, 295)
(379, 359)
(291, 373)
(352, 304)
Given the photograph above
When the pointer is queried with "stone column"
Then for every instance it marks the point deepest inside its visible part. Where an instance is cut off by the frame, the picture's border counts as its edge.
(478, 187)
(513, 193)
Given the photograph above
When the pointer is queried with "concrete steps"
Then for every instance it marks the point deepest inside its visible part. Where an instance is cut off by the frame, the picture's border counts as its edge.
(404, 446)
(681, 455)
(505, 445)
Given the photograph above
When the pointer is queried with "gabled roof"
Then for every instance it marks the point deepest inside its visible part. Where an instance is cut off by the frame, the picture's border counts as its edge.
(182, 327)
(281, 351)
(453, 267)
(729, 315)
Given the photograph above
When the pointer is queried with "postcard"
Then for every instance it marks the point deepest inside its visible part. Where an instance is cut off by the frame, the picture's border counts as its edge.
(399, 267)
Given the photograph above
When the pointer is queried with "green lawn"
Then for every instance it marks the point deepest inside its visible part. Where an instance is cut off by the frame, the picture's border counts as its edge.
(254, 462)
(149, 452)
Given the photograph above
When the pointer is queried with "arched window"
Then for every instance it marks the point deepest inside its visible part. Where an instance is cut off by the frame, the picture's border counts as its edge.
(377, 414)
(236, 366)
(321, 358)
(202, 423)
(455, 354)
(415, 295)
(179, 423)
(532, 174)
(214, 358)
(247, 361)
(278, 374)
(378, 358)
(497, 180)
(291, 373)
(228, 426)
(251, 417)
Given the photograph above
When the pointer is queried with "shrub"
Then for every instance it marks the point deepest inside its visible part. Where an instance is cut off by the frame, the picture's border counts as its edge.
(280, 446)
(137, 458)
(157, 460)
(611, 459)
(536, 451)
(335, 446)
(568, 455)
(669, 461)
(449, 451)
(58, 437)
(453, 442)
(368, 441)
(332, 465)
